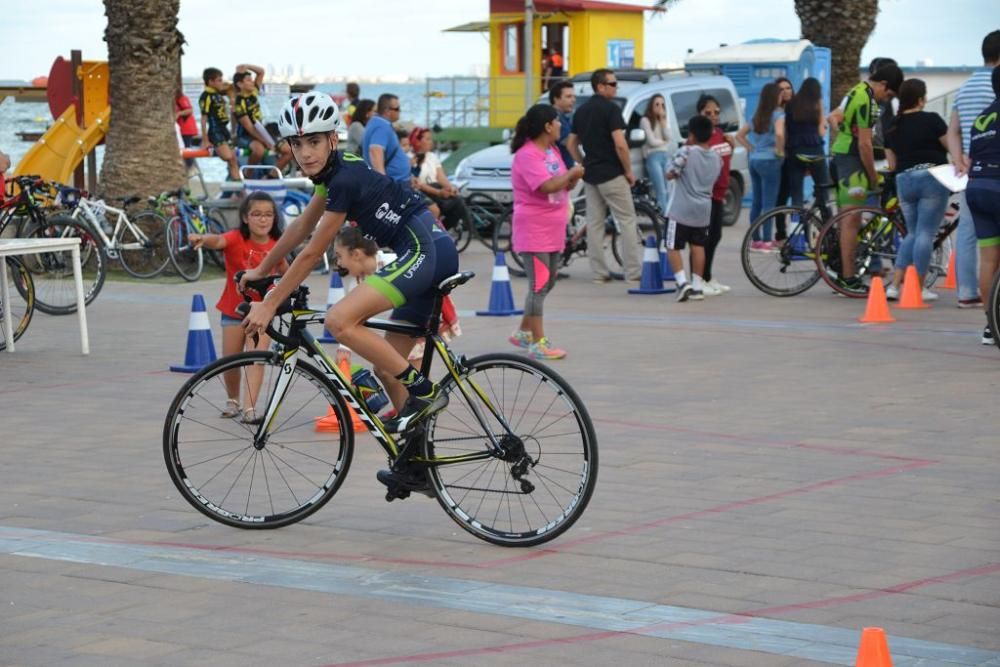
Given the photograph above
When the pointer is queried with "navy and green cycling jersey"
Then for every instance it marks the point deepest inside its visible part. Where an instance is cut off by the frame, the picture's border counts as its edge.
(249, 106)
(380, 206)
(984, 143)
(213, 107)
(860, 113)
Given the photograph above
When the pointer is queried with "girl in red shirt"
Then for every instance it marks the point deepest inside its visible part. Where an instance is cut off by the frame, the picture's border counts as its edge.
(243, 249)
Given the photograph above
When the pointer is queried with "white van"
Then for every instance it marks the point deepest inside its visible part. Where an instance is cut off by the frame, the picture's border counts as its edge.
(488, 170)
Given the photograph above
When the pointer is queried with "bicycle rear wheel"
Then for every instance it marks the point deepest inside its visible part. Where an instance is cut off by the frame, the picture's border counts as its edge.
(993, 308)
(213, 225)
(878, 238)
(544, 482)
(143, 250)
(55, 287)
(294, 468)
(188, 261)
(644, 212)
(790, 269)
(22, 299)
(503, 242)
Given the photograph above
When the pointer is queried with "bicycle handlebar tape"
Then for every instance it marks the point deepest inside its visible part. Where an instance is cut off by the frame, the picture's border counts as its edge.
(333, 295)
(200, 348)
(651, 281)
(501, 296)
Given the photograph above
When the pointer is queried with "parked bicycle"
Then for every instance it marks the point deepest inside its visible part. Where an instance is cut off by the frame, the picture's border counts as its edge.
(21, 304)
(27, 215)
(512, 459)
(181, 204)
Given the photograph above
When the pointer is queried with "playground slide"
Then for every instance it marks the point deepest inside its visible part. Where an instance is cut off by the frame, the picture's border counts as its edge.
(56, 155)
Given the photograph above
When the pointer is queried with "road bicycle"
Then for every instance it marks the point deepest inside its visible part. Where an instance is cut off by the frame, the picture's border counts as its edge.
(512, 459)
(182, 210)
(22, 299)
(139, 244)
(25, 215)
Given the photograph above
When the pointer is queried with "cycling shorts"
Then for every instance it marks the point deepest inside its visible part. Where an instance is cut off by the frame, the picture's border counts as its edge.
(981, 197)
(410, 280)
(219, 135)
(853, 188)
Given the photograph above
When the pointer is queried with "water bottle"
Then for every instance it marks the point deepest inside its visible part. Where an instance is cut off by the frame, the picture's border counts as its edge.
(369, 388)
(100, 211)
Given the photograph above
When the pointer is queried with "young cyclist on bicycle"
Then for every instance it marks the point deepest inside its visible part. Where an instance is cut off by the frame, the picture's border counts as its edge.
(391, 215)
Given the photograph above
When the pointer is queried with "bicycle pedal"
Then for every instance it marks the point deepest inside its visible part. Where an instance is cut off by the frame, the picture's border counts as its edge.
(400, 483)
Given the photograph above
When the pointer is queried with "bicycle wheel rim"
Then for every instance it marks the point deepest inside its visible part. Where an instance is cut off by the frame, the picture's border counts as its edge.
(22, 299)
(144, 257)
(213, 462)
(52, 271)
(550, 420)
(788, 270)
(187, 261)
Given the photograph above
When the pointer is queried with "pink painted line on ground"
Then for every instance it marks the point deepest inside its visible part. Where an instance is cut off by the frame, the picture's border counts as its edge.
(741, 617)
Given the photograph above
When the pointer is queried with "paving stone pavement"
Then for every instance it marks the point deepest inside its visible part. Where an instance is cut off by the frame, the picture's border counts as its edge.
(773, 469)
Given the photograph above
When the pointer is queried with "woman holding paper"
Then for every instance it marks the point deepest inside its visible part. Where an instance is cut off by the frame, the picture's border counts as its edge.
(915, 142)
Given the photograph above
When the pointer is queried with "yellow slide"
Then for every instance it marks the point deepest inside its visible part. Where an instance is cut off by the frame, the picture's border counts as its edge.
(56, 155)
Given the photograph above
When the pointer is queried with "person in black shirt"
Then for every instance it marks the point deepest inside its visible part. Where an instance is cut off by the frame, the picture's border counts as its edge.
(915, 141)
(599, 128)
(386, 212)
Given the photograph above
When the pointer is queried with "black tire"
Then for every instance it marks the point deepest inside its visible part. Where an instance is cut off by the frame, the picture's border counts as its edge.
(22, 299)
(213, 225)
(733, 203)
(146, 256)
(296, 471)
(485, 212)
(879, 234)
(643, 211)
(480, 495)
(188, 261)
(788, 270)
(55, 287)
(502, 237)
(993, 308)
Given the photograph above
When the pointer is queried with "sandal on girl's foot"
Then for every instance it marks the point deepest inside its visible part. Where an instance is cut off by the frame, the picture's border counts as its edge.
(231, 410)
(250, 417)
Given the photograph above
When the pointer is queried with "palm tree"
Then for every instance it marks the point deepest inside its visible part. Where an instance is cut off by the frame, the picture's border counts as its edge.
(843, 26)
(144, 55)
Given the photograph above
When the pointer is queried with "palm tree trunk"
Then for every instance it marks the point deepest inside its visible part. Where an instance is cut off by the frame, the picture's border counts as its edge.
(844, 27)
(144, 55)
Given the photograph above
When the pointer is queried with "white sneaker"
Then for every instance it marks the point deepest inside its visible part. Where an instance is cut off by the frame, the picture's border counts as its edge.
(719, 286)
(708, 289)
(892, 293)
(929, 295)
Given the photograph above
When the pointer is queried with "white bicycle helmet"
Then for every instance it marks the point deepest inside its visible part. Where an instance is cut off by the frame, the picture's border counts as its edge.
(308, 113)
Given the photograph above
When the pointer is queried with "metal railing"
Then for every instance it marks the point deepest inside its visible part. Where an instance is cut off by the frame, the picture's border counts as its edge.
(468, 101)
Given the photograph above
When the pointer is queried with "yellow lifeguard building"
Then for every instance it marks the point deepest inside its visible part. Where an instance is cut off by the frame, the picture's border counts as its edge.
(581, 35)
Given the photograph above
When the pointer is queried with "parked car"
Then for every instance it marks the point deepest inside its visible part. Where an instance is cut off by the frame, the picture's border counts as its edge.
(488, 170)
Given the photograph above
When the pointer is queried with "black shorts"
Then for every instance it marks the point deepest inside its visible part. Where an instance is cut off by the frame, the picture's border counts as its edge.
(219, 135)
(678, 234)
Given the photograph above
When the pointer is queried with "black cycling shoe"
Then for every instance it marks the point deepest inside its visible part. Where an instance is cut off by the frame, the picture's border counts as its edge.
(853, 284)
(416, 410)
(401, 483)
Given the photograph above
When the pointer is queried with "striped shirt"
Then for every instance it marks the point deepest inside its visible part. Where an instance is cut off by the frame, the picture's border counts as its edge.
(975, 95)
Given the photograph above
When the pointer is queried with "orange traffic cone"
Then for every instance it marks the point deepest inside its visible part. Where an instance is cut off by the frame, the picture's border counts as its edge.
(329, 423)
(877, 310)
(950, 281)
(913, 290)
(874, 649)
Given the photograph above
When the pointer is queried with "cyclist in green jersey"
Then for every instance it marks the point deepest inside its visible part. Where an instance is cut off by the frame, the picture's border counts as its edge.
(854, 157)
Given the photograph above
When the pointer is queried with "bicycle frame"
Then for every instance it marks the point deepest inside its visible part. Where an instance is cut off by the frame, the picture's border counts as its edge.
(291, 357)
(113, 244)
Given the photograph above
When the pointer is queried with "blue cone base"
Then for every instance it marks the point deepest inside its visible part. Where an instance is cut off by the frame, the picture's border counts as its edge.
(501, 313)
(662, 290)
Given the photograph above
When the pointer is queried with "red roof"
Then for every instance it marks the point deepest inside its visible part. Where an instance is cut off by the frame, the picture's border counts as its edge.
(508, 6)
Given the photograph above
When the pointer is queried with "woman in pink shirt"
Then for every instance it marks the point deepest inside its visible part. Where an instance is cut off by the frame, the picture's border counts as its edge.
(541, 212)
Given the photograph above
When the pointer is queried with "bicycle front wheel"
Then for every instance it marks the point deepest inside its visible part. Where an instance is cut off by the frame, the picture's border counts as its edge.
(875, 244)
(142, 247)
(213, 225)
(55, 287)
(188, 261)
(22, 299)
(544, 480)
(232, 474)
(993, 308)
(790, 269)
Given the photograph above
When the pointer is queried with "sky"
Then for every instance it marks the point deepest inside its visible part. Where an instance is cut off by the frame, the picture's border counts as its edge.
(404, 38)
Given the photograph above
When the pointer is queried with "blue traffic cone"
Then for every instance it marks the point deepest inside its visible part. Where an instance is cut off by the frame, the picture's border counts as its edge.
(651, 281)
(501, 295)
(200, 348)
(665, 268)
(333, 295)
